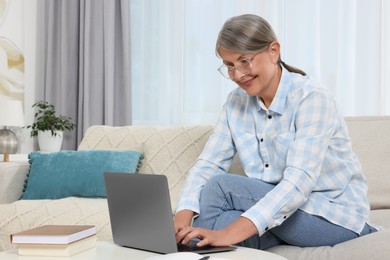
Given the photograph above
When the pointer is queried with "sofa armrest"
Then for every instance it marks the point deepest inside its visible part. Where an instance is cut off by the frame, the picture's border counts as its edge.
(12, 178)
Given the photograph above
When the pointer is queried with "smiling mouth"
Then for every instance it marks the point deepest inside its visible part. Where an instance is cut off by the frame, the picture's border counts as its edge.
(247, 82)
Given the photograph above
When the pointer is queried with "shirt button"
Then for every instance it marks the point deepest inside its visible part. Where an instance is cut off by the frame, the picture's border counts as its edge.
(261, 140)
(285, 217)
(266, 228)
(269, 116)
(266, 165)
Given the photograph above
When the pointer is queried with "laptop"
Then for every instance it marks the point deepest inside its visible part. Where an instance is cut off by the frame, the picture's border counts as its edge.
(141, 214)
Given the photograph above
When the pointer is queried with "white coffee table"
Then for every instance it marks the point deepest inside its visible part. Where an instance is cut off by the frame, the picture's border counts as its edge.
(108, 250)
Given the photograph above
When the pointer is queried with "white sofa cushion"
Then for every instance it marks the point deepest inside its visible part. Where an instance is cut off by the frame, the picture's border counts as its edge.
(170, 151)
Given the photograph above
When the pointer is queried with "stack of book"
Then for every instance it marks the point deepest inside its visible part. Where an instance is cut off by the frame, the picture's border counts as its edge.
(55, 240)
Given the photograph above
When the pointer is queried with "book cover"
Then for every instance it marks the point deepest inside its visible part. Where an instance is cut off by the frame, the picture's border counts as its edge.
(57, 249)
(53, 234)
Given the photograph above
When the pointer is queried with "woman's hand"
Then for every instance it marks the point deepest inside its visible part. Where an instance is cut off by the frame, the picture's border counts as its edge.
(182, 220)
(236, 232)
(208, 237)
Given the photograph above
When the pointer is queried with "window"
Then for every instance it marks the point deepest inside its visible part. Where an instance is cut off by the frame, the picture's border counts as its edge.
(342, 44)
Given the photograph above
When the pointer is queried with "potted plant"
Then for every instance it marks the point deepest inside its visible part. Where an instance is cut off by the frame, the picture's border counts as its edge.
(49, 127)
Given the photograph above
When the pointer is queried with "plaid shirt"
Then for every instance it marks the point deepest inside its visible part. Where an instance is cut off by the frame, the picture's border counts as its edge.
(300, 144)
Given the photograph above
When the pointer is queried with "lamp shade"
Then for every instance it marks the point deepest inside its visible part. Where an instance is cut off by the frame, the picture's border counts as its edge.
(11, 112)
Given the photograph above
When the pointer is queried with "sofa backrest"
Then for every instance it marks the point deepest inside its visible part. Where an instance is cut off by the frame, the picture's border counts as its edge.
(173, 150)
(370, 137)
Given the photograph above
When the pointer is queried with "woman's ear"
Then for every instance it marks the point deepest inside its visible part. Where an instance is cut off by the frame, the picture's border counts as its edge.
(274, 49)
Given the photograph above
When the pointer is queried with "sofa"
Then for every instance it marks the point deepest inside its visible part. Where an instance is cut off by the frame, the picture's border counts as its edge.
(173, 150)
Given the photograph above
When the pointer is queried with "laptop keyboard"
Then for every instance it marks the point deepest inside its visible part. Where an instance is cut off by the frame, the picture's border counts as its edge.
(191, 247)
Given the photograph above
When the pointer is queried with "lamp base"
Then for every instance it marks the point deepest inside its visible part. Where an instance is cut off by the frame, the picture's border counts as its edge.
(6, 157)
(8, 143)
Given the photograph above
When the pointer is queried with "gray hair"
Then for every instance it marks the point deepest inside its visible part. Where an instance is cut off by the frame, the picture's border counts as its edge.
(247, 34)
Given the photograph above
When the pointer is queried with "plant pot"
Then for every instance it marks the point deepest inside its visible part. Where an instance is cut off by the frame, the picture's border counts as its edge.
(49, 143)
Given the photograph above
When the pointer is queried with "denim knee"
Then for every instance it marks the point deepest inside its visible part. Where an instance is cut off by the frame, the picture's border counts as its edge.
(217, 179)
(212, 186)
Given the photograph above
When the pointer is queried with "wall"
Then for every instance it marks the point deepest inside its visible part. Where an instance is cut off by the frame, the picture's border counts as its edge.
(19, 27)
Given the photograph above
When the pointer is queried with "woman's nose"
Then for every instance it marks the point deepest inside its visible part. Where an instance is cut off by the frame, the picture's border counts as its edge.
(238, 75)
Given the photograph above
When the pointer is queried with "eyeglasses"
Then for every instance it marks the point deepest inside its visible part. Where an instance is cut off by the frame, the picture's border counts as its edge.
(244, 66)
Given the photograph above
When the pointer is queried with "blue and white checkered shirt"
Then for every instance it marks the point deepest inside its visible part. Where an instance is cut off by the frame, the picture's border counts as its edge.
(300, 144)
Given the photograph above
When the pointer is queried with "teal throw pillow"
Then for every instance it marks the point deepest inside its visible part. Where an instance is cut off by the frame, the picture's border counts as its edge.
(75, 173)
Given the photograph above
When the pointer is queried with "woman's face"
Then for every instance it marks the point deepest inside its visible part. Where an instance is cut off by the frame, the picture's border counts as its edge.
(261, 78)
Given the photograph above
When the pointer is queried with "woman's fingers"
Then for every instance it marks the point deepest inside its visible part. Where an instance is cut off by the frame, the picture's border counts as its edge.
(205, 235)
(182, 235)
(186, 234)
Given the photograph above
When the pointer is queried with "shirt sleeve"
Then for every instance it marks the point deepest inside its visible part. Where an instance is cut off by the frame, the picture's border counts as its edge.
(215, 159)
(315, 121)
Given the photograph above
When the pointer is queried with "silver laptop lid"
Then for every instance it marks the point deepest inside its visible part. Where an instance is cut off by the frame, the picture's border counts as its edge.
(140, 211)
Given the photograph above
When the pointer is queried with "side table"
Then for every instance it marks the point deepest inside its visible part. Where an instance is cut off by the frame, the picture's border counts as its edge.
(12, 177)
(108, 250)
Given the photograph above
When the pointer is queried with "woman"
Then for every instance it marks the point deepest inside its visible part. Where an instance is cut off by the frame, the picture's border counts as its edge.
(305, 186)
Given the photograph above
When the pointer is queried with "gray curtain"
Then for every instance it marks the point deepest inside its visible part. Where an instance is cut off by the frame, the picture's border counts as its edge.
(86, 74)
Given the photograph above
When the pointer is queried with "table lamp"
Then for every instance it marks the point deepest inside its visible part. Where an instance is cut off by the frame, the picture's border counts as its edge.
(11, 114)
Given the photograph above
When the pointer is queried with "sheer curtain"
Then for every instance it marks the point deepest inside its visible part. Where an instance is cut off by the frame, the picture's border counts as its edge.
(343, 44)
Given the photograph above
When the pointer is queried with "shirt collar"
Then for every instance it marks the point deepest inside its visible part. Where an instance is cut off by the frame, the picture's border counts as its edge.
(279, 101)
